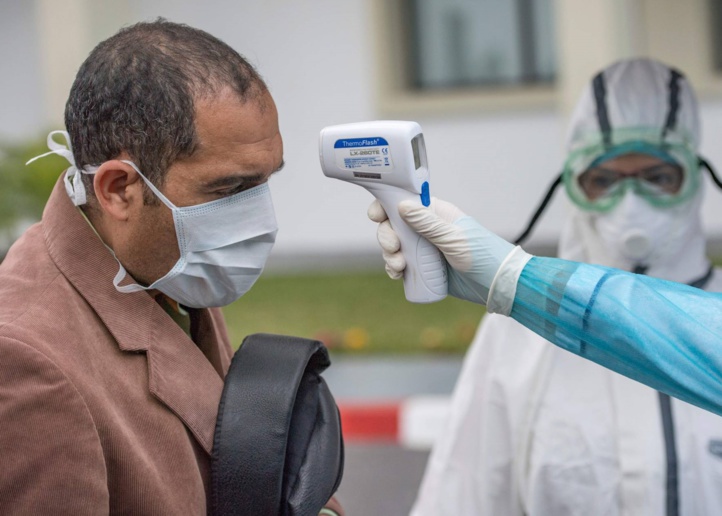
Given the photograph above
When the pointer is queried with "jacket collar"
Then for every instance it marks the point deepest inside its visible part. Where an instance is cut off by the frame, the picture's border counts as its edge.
(179, 374)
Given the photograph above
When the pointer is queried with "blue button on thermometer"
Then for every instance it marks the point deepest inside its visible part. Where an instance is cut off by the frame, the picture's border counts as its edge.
(425, 196)
(388, 158)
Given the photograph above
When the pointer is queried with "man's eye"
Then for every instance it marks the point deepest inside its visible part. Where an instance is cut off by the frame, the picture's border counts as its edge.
(231, 191)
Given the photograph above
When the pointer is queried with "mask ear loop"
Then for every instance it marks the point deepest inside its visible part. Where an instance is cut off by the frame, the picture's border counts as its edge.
(532, 222)
(706, 164)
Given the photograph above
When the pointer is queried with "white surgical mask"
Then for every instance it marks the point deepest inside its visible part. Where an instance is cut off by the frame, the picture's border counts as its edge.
(637, 235)
(223, 244)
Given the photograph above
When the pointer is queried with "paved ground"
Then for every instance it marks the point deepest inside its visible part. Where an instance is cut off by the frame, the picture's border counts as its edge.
(381, 479)
(391, 378)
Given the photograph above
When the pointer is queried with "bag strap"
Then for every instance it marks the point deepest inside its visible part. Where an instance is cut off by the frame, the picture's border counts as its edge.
(277, 447)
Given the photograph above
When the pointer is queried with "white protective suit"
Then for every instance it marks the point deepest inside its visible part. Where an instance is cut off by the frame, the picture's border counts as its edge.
(536, 430)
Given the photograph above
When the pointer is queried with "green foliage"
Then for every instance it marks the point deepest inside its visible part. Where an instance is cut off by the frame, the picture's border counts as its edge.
(355, 312)
(25, 189)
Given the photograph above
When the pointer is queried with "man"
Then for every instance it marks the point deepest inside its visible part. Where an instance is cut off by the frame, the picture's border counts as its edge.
(112, 353)
(535, 430)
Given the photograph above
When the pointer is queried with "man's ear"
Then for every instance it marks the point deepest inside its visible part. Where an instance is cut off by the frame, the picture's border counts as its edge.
(118, 189)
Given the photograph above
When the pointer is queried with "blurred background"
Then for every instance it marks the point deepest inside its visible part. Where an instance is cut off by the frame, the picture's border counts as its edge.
(491, 82)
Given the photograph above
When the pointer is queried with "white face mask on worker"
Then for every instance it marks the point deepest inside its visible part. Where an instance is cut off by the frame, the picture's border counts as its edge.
(636, 234)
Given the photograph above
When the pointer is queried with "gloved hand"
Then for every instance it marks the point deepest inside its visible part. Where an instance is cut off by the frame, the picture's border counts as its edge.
(474, 254)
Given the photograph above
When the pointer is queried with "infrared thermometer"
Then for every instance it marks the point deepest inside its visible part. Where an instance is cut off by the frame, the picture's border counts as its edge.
(388, 158)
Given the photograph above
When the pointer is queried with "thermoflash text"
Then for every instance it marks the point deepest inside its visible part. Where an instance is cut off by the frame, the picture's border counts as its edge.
(388, 158)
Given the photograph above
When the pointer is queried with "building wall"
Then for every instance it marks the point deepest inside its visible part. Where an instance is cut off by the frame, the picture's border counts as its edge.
(22, 106)
(321, 61)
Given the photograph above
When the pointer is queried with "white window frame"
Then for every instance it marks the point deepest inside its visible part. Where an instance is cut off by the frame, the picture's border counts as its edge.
(673, 31)
(395, 99)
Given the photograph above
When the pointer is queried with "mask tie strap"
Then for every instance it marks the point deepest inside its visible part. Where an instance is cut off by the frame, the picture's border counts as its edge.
(152, 187)
(120, 276)
(73, 182)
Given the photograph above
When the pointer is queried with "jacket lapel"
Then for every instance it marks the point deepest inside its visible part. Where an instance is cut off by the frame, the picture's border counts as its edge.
(179, 374)
(182, 378)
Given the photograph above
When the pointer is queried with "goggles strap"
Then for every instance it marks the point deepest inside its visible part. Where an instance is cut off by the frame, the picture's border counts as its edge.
(706, 164)
(532, 222)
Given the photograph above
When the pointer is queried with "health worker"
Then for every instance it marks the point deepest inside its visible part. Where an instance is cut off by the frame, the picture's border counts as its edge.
(665, 334)
(535, 430)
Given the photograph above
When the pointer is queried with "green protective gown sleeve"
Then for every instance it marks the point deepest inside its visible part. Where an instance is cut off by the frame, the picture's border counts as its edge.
(663, 334)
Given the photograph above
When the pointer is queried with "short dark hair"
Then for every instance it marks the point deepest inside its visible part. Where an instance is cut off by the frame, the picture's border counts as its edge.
(136, 90)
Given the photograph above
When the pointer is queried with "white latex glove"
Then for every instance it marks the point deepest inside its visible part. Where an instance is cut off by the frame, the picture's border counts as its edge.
(474, 254)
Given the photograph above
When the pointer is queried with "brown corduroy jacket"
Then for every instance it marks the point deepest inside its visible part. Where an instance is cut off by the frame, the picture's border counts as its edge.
(106, 405)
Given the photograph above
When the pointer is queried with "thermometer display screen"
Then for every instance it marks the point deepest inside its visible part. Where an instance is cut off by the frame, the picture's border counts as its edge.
(417, 144)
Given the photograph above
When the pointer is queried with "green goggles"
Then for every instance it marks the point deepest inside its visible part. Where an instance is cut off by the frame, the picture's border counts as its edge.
(657, 181)
(595, 187)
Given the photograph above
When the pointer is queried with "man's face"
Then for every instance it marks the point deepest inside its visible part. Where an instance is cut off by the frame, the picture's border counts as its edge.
(240, 146)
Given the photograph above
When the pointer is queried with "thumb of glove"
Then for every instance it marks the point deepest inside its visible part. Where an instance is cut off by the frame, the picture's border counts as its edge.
(474, 253)
(436, 224)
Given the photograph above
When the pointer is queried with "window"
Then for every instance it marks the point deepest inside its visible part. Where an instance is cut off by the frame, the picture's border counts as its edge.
(462, 56)
(479, 43)
(715, 18)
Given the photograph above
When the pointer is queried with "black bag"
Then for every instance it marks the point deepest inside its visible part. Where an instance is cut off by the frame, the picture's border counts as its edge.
(278, 447)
